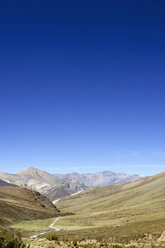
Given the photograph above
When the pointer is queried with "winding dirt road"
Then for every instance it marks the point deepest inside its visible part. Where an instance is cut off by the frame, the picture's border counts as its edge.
(51, 226)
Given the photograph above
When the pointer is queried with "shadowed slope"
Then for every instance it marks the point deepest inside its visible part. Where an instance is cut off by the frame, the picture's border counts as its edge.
(5, 184)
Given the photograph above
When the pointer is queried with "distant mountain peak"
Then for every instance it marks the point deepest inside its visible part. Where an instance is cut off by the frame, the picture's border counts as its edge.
(38, 175)
(30, 170)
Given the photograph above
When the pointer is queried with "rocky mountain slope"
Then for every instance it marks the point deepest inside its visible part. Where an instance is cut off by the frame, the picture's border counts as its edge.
(43, 182)
(60, 185)
(100, 178)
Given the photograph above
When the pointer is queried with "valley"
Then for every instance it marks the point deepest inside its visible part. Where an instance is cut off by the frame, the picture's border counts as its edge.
(82, 124)
(117, 205)
(101, 216)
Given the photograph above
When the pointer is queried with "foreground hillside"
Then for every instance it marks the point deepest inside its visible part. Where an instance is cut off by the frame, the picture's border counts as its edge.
(17, 204)
(130, 208)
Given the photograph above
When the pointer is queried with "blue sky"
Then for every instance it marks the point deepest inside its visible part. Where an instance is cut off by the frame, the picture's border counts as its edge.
(82, 86)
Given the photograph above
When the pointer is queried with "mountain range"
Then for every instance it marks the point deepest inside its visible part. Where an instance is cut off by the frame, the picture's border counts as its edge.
(43, 182)
(100, 178)
(56, 186)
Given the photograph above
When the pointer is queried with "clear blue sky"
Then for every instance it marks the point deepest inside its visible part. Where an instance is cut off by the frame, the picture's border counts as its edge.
(82, 85)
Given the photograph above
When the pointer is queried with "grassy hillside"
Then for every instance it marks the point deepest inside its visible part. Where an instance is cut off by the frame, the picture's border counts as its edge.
(127, 208)
(18, 203)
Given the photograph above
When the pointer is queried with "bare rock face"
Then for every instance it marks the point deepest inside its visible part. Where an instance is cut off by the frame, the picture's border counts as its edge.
(43, 182)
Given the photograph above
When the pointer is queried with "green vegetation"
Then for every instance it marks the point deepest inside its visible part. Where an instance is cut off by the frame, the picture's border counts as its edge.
(33, 224)
(10, 240)
(52, 236)
(56, 241)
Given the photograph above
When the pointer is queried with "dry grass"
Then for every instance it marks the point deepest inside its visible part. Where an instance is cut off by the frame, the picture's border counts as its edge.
(22, 204)
(136, 207)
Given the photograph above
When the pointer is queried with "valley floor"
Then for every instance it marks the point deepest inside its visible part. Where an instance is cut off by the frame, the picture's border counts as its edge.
(49, 234)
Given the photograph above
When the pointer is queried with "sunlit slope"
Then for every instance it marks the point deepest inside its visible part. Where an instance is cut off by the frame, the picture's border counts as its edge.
(18, 203)
(142, 200)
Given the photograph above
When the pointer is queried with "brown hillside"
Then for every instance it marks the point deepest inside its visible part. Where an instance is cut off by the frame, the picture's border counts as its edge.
(18, 203)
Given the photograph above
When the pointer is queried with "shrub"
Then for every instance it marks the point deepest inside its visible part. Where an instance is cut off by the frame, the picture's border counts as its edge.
(75, 243)
(52, 236)
(116, 246)
(10, 240)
